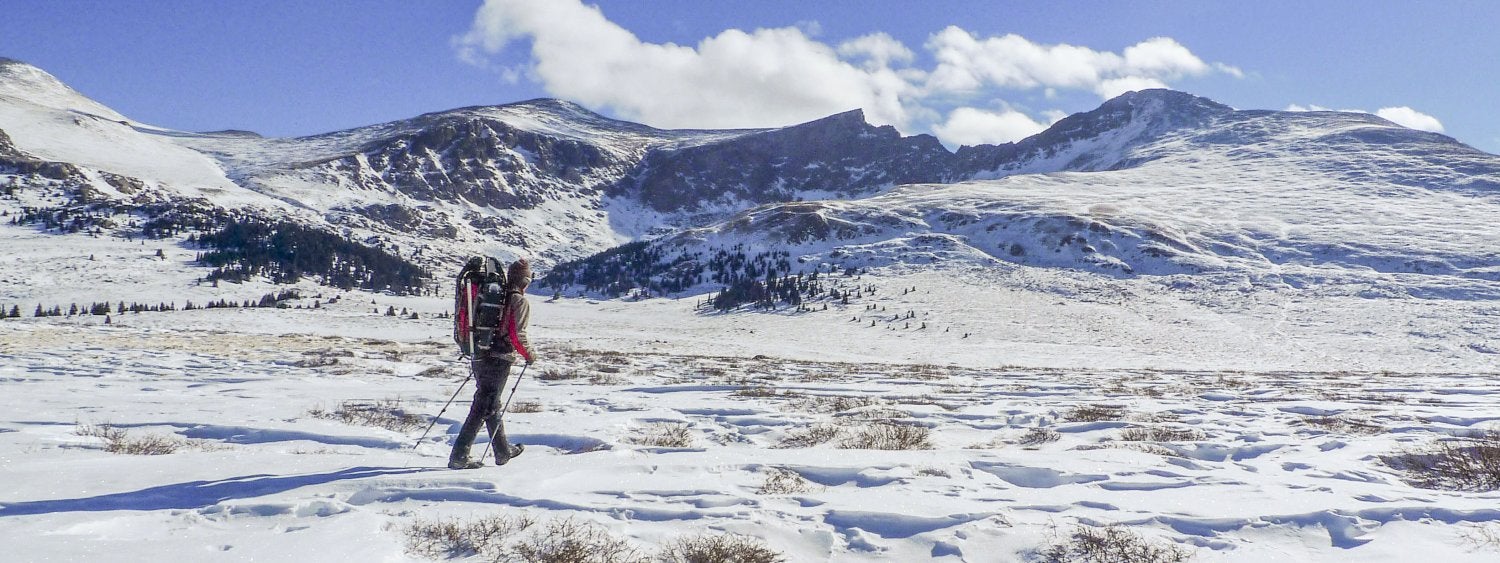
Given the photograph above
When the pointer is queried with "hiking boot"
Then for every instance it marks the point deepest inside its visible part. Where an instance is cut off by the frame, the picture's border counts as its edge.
(465, 464)
(515, 450)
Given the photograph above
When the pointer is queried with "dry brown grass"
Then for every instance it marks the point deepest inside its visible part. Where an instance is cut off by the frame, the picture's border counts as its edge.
(559, 374)
(519, 538)
(1466, 463)
(719, 548)
(757, 392)
(1160, 434)
(1344, 425)
(809, 436)
(118, 441)
(1038, 436)
(1095, 413)
(526, 407)
(782, 481)
(664, 435)
(829, 404)
(886, 435)
(386, 413)
(1112, 544)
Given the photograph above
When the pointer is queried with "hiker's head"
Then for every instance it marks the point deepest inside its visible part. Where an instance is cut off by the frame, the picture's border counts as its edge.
(519, 274)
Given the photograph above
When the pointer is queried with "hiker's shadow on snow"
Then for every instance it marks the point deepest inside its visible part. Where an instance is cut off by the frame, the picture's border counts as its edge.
(197, 494)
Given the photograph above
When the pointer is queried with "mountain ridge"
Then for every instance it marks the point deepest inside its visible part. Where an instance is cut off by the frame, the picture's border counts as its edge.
(553, 180)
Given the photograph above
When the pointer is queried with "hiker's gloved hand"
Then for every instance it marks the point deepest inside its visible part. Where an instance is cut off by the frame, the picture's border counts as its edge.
(530, 361)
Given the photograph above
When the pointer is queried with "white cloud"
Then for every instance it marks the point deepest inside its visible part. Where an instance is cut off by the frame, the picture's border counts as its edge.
(878, 49)
(1162, 57)
(1400, 115)
(967, 64)
(782, 76)
(1411, 119)
(760, 78)
(1116, 86)
(1311, 107)
(971, 126)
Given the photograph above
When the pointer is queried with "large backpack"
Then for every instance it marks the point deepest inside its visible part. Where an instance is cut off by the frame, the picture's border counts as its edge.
(478, 301)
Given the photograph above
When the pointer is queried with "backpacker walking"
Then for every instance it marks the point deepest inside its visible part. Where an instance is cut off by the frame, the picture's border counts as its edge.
(498, 340)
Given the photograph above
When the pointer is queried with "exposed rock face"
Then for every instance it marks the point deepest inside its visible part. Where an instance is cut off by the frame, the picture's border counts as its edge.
(486, 162)
(841, 156)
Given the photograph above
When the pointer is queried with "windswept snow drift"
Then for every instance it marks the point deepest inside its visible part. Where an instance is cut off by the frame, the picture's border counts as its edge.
(1248, 465)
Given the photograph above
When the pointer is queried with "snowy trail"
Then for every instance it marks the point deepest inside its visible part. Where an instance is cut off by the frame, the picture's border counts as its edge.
(1248, 466)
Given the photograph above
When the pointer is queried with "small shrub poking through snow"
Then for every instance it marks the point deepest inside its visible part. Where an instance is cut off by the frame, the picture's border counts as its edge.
(1344, 425)
(526, 407)
(757, 391)
(719, 548)
(118, 441)
(603, 378)
(1160, 434)
(664, 435)
(559, 374)
(832, 404)
(1112, 544)
(782, 481)
(809, 436)
(1470, 463)
(519, 538)
(932, 472)
(386, 414)
(1483, 536)
(1095, 413)
(885, 435)
(572, 541)
(1038, 436)
(484, 537)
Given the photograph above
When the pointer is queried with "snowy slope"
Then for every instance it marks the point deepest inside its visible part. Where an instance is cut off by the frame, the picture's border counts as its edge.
(1236, 465)
(48, 120)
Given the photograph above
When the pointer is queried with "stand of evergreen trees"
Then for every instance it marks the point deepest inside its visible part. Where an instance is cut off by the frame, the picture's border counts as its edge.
(763, 280)
(285, 252)
(628, 267)
(276, 299)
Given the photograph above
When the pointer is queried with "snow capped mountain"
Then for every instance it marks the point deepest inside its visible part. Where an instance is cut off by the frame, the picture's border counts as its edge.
(1166, 183)
(1151, 182)
(21, 82)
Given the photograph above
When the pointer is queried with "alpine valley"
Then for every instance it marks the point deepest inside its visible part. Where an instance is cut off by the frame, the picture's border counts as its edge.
(1234, 333)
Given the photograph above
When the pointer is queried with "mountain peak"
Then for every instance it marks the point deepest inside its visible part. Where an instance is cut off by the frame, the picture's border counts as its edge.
(1170, 99)
(26, 82)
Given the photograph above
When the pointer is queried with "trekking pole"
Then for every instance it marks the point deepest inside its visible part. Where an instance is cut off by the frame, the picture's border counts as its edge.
(445, 407)
(501, 416)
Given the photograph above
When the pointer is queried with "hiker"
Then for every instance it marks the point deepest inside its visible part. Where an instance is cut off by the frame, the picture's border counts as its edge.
(491, 364)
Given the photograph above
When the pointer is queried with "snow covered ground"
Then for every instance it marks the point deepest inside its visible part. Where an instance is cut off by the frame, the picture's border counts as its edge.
(1243, 431)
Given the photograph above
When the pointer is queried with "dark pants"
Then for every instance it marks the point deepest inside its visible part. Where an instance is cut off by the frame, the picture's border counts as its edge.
(490, 376)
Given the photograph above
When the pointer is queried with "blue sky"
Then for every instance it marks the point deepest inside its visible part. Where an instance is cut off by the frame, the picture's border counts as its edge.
(966, 71)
